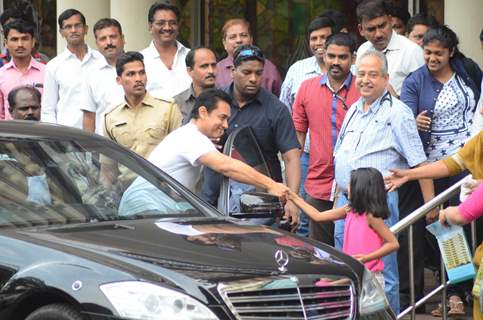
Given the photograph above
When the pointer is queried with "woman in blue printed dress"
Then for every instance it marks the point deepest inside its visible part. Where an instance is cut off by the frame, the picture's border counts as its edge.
(443, 96)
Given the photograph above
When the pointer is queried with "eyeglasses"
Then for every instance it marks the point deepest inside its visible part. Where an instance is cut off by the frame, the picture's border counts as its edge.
(246, 54)
(76, 26)
(161, 23)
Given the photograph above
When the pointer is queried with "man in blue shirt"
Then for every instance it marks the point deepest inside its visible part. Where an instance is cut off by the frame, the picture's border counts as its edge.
(255, 107)
(378, 131)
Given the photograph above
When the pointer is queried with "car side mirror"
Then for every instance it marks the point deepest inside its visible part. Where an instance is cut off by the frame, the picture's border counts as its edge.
(259, 205)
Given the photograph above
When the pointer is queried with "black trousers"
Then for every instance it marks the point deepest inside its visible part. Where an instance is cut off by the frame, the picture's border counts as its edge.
(410, 198)
(321, 231)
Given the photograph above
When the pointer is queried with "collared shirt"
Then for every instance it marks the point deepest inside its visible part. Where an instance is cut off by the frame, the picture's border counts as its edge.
(298, 72)
(271, 77)
(273, 128)
(101, 93)
(403, 57)
(11, 77)
(320, 110)
(185, 101)
(383, 137)
(164, 82)
(141, 129)
(64, 75)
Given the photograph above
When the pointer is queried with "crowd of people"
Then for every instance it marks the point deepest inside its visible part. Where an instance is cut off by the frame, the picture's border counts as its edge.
(403, 102)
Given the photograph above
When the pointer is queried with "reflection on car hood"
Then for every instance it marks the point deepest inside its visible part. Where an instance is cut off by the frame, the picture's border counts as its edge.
(203, 249)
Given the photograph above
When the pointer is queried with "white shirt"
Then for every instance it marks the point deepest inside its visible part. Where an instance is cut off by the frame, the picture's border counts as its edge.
(297, 73)
(64, 75)
(178, 154)
(101, 93)
(403, 57)
(164, 82)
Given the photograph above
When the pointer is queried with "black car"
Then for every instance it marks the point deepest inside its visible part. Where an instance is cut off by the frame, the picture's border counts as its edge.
(68, 251)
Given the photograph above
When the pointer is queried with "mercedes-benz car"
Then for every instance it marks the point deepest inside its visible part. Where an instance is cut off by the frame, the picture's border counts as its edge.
(73, 247)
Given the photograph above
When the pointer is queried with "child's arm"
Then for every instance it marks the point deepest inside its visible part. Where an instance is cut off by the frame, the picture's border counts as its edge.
(390, 242)
(314, 214)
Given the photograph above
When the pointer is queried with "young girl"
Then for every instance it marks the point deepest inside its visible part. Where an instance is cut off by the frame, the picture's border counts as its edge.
(366, 237)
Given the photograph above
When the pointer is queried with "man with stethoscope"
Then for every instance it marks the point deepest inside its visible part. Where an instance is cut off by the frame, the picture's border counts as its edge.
(378, 131)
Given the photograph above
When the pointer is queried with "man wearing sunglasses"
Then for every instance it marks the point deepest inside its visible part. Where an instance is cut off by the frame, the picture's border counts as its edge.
(255, 107)
(319, 108)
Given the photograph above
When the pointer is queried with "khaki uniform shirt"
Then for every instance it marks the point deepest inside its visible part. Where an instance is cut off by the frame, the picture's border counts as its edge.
(141, 129)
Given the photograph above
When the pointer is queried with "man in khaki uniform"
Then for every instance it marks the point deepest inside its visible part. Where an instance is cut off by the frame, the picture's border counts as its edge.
(141, 121)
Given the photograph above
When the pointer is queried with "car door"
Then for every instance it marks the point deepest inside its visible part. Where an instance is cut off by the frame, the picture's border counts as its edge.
(242, 145)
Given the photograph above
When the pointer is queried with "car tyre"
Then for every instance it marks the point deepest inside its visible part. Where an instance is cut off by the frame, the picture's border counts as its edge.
(55, 312)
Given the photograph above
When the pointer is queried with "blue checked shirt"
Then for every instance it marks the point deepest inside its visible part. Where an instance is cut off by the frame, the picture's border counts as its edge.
(384, 137)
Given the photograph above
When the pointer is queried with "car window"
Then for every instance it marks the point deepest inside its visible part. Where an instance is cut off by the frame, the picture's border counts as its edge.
(44, 182)
(242, 146)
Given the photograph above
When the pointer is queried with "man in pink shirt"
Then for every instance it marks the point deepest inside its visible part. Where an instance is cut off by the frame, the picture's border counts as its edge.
(320, 107)
(22, 68)
(236, 33)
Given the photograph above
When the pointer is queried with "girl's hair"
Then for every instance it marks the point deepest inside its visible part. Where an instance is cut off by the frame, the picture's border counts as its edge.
(446, 37)
(368, 193)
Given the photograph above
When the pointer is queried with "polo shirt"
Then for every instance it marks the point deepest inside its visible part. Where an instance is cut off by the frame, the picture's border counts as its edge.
(11, 77)
(271, 77)
(403, 57)
(273, 128)
(164, 82)
(319, 110)
(383, 137)
(186, 102)
(62, 95)
(101, 93)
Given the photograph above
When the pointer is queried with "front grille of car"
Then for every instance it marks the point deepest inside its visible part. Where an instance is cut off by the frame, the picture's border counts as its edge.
(291, 297)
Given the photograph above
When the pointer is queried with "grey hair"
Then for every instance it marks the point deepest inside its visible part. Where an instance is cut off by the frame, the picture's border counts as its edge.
(378, 55)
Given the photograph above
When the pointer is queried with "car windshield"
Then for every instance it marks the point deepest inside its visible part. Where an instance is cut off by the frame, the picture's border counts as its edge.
(57, 182)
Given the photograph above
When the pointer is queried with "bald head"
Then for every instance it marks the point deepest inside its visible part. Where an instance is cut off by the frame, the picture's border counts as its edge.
(24, 103)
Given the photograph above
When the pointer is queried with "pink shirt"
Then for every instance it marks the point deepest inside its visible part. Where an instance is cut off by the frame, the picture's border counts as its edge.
(472, 208)
(359, 238)
(11, 77)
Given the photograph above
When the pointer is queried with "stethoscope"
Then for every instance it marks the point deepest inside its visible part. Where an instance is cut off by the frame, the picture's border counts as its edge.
(386, 97)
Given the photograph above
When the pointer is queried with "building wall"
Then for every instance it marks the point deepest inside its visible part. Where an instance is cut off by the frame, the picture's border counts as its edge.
(464, 17)
(131, 14)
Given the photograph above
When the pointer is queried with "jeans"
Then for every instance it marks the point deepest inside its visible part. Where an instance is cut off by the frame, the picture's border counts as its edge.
(303, 229)
(390, 272)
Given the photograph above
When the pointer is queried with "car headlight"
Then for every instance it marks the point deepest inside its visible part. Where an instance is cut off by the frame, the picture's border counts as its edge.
(372, 298)
(146, 301)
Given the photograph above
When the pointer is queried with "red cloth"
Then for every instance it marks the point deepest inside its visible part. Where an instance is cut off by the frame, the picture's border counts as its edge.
(312, 111)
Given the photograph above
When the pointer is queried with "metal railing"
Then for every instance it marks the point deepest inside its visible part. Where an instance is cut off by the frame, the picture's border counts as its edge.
(408, 222)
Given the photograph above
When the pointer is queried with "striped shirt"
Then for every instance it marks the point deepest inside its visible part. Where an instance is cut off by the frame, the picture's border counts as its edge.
(297, 73)
(383, 137)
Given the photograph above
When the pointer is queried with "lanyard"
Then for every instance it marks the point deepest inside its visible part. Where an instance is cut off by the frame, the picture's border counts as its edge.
(386, 97)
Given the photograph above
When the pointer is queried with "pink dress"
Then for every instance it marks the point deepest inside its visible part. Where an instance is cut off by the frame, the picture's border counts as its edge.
(472, 208)
(359, 238)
